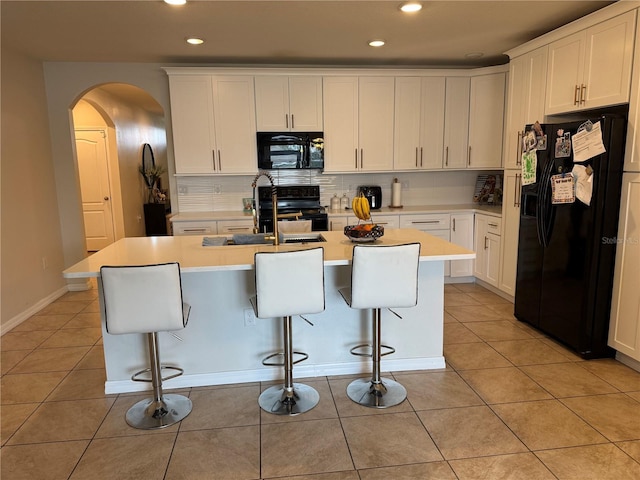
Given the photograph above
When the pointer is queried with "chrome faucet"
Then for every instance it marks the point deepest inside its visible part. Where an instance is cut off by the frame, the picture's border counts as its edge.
(274, 200)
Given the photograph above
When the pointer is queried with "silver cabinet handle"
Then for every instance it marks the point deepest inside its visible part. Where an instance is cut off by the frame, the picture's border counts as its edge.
(293, 122)
(583, 91)
(356, 157)
(494, 225)
(213, 154)
(219, 161)
(361, 157)
(418, 222)
(416, 156)
(576, 99)
(454, 224)
(469, 156)
(519, 148)
(485, 243)
(286, 120)
(195, 230)
(420, 156)
(446, 157)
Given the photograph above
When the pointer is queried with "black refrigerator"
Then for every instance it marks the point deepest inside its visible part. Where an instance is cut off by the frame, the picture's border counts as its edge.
(566, 251)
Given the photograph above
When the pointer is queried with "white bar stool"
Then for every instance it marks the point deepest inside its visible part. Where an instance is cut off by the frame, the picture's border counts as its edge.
(382, 276)
(288, 283)
(148, 299)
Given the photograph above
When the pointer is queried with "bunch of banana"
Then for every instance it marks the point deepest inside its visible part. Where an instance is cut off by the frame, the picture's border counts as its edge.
(360, 206)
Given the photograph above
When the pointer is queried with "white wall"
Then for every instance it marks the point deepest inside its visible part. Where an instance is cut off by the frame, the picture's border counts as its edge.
(29, 210)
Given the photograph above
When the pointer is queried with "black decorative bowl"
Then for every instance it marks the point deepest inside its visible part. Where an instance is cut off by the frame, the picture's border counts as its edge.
(364, 232)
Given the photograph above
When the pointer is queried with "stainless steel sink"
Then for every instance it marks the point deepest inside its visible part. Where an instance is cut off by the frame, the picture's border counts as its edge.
(259, 239)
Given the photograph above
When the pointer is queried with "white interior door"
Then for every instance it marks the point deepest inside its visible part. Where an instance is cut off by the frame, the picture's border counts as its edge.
(91, 148)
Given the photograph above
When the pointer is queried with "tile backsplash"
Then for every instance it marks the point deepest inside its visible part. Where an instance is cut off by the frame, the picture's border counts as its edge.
(225, 193)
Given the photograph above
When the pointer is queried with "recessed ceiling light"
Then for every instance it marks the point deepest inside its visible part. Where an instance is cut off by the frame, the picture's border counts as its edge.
(474, 55)
(411, 7)
(376, 43)
(195, 41)
(175, 2)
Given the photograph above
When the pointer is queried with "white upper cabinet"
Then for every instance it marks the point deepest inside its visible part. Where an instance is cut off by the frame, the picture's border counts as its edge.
(419, 123)
(285, 103)
(526, 95)
(358, 114)
(591, 68)
(456, 122)
(486, 121)
(632, 152)
(213, 120)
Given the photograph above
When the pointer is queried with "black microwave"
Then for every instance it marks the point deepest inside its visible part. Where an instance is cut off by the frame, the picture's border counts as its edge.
(292, 150)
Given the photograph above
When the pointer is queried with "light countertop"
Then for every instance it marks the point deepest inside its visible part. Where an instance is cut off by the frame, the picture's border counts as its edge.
(193, 257)
(495, 210)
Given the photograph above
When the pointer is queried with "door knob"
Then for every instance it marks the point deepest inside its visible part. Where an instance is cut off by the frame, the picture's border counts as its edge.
(106, 198)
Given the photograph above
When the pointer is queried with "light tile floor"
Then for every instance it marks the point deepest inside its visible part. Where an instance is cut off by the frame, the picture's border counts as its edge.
(510, 404)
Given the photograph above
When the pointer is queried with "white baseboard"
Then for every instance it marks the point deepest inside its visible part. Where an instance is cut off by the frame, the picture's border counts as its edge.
(32, 310)
(495, 290)
(628, 361)
(272, 373)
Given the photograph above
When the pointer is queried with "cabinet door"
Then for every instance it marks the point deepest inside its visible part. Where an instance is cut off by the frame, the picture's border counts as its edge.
(527, 82)
(564, 73)
(387, 221)
(406, 145)
(608, 60)
(632, 152)
(375, 123)
(195, 228)
(193, 123)
(456, 122)
(492, 259)
(235, 122)
(511, 216)
(338, 223)
(462, 235)
(624, 331)
(486, 121)
(432, 122)
(481, 247)
(340, 105)
(272, 103)
(305, 104)
(235, 226)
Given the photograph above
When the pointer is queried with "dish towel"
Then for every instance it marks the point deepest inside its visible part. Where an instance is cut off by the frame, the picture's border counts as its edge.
(214, 241)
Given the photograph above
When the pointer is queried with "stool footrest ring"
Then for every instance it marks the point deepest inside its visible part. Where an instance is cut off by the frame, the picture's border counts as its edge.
(265, 360)
(135, 376)
(354, 350)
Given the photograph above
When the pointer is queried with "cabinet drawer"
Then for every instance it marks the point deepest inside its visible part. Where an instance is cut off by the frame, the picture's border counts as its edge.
(195, 228)
(235, 226)
(439, 221)
(494, 225)
(387, 221)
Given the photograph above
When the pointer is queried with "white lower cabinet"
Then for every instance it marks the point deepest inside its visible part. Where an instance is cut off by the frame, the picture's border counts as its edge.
(436, 224)
(511, 229)
(337, 223)
(487, 247)
(196, 227)
(624, 328)
(235, 226)
(462, 235)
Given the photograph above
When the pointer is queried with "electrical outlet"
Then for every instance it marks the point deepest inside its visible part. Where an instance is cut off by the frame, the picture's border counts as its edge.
(405, 184)
(249, 317)
(217, 189)
(183, 190)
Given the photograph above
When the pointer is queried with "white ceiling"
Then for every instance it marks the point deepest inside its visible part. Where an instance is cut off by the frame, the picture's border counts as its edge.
(281, 32)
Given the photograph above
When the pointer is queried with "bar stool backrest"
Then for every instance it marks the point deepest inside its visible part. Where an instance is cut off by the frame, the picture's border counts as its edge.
(143, 298)
(289, 283)
(385, 276)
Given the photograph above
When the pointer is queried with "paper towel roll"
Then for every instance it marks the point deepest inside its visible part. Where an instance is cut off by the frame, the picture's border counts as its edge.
(396, 194)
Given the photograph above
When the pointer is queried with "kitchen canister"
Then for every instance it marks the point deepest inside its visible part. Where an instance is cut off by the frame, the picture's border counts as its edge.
(335, 202)
(344, 202)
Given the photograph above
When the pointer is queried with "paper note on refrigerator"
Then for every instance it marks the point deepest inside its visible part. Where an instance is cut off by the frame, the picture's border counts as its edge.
(563, 189)
(584, 183)
(587, 143)
(529, 164)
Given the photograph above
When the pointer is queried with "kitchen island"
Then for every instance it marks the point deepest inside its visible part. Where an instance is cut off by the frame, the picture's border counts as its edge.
(224, 343)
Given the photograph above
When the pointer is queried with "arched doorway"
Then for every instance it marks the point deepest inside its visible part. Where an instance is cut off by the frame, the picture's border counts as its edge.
(111, 123)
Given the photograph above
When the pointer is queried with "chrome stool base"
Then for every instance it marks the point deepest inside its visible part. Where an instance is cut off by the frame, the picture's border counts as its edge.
(376, 395)
(280, 401)
(149, 414)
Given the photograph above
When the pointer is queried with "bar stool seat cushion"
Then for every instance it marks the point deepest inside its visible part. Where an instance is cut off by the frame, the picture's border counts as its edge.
(289, 283)
(383, 276)
(143, 299)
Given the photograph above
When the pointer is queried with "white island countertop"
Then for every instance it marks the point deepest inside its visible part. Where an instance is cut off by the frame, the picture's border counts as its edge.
(193, 257)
